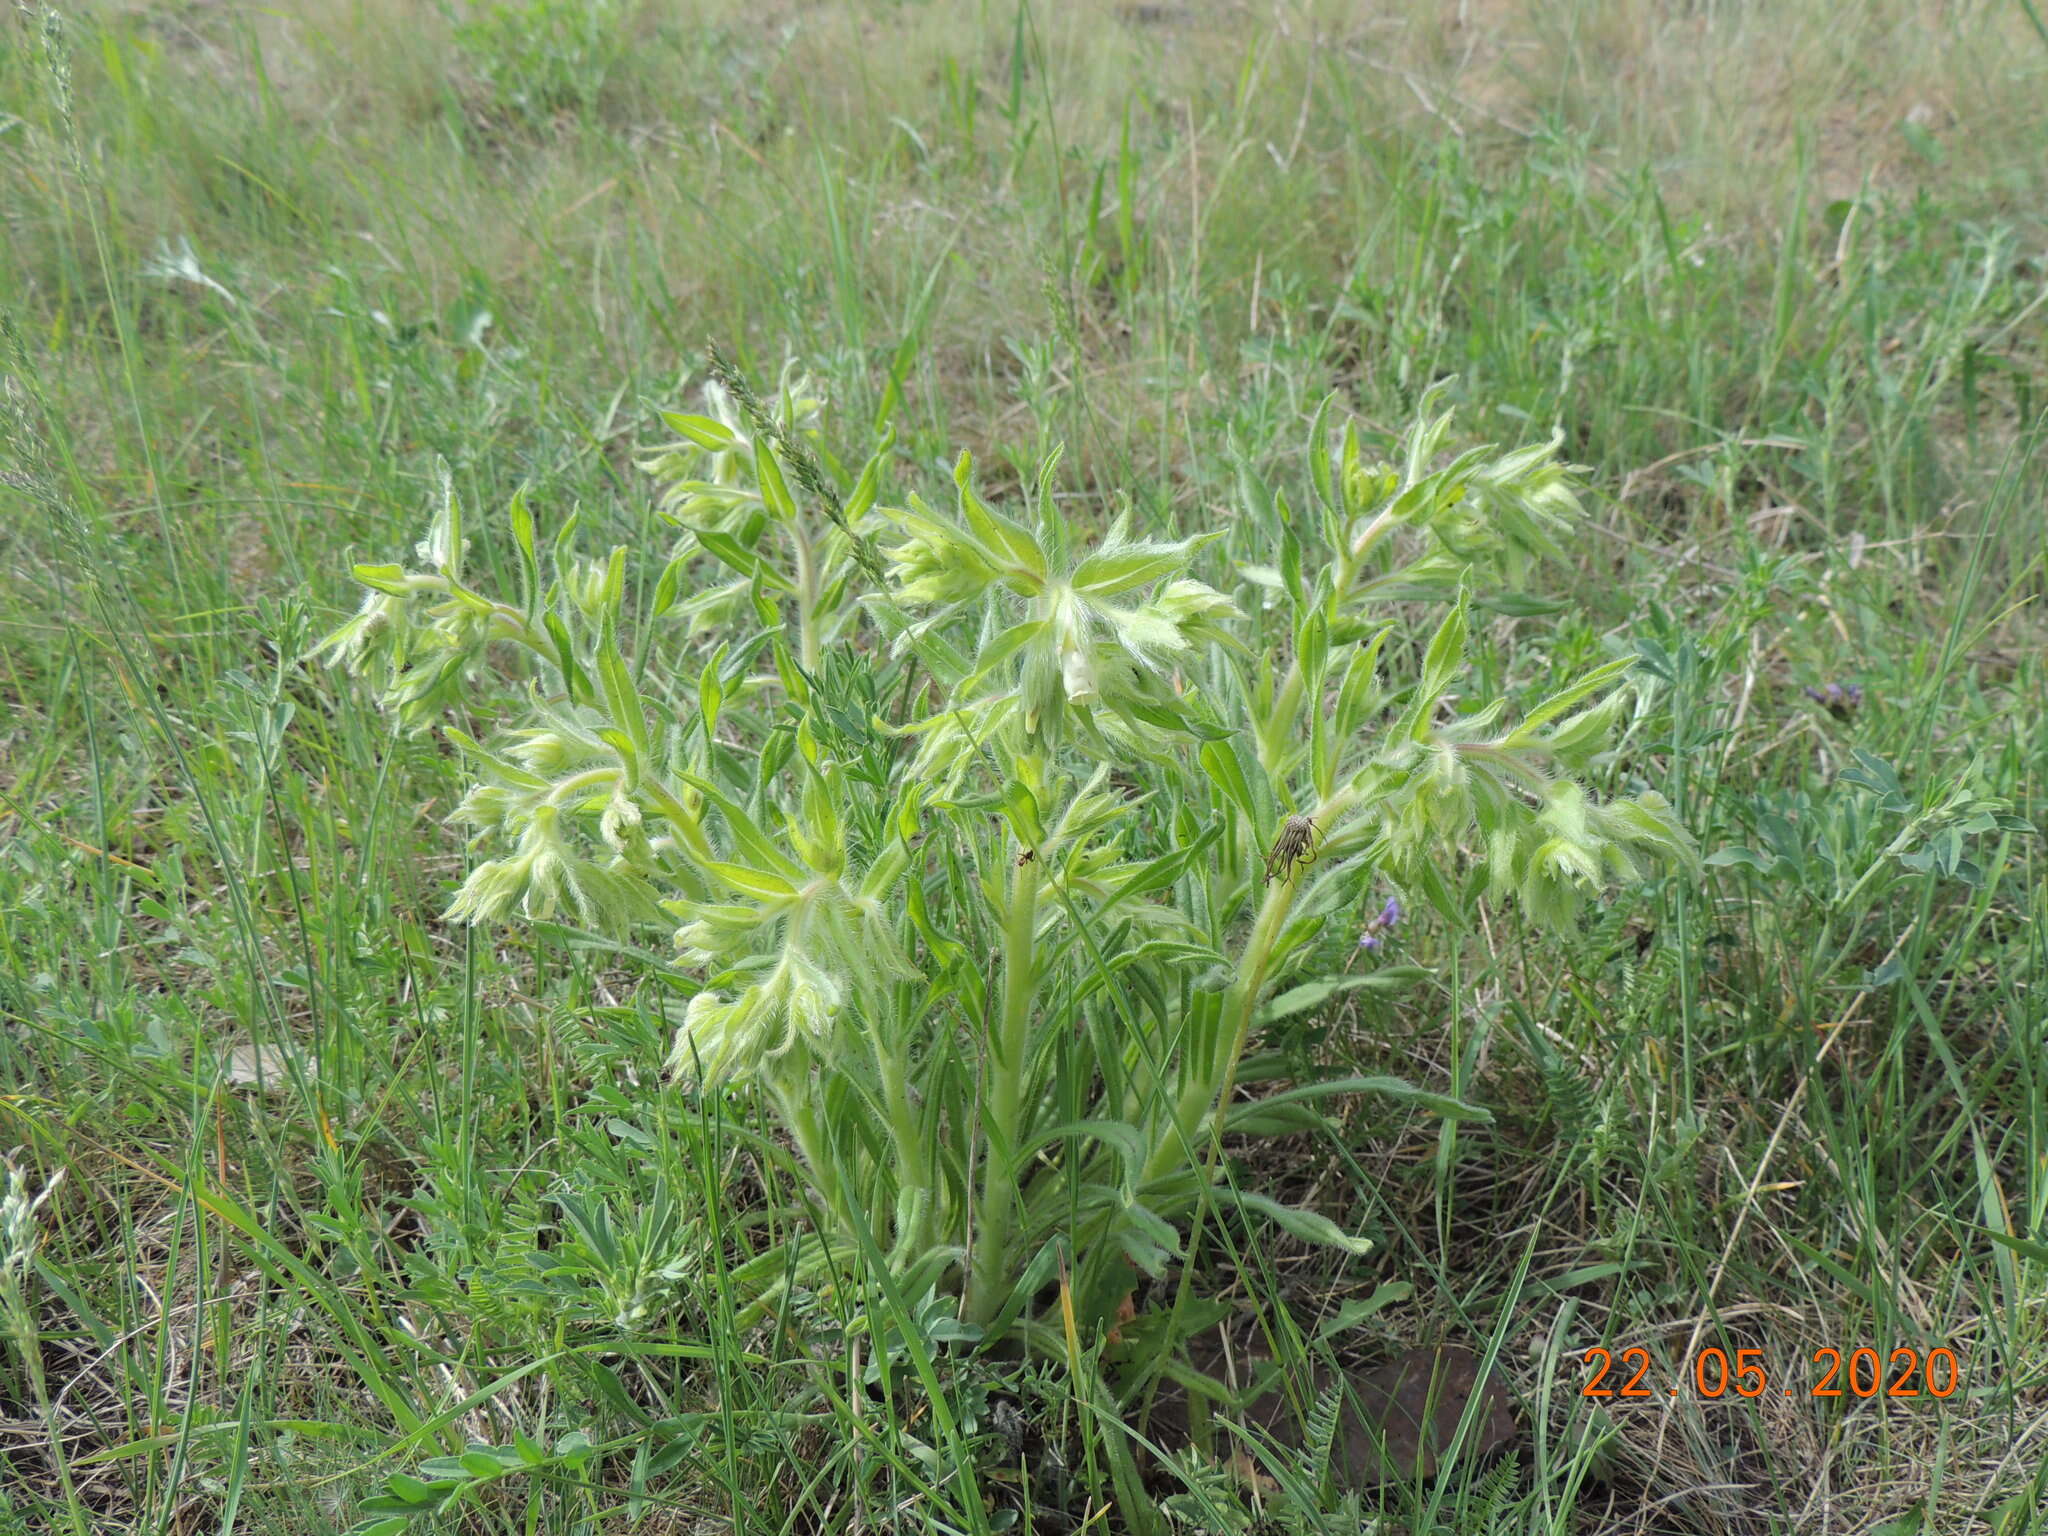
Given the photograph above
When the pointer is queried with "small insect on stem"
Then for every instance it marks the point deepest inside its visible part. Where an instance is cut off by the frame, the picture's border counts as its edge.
(1294, 847)
(1026, 857)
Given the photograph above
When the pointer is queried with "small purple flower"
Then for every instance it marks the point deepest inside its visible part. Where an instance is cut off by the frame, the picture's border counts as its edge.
(1389, 915)
(1838, 699)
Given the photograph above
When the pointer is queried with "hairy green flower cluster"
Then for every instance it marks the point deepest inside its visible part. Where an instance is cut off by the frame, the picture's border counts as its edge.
(547, 874)
(826, 947)
(1074, 640)
(420, 635)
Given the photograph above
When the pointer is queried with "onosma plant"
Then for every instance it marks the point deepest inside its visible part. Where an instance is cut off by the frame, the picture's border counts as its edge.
(993, 836)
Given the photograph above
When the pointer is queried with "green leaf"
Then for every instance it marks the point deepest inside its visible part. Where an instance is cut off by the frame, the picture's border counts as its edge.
(749, 835)
(2024, 1247)
(1439, 894)
(416, 1491)
(1591, 683)
(1749, 858)
(1387, 1088)
(998, 651)
(1309, 1226)
(1319, 472)
(869, 485)
(774, 489)
(1123, 1137)
(1257, 1117)
(1008, 540)
(565, 657)
(1159, 873)
(1027, 823)
(1441, 664)
(620, 696)
(752, 882)
(1225, 766)
(1357, 1310)
(522, 535)
(1313, 994)
(710, 693)
(389, 579)
(701, 430)
(669, 586)
(469, 746)
(1110, 571)
(728, 550)
(1359, 692)
(1146, 1237)
(391, 1504)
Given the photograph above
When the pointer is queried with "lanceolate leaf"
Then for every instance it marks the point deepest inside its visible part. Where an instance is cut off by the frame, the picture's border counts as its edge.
(1313, 994)
(1306, 1225)
(1388, 1088)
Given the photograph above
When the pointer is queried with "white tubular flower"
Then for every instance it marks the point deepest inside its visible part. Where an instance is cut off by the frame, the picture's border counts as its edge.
(585, 581)
(718, 931)
(444, 546)
(620, 823)
(704, 1044)
(746, 1036)
(1194, 605)
(533, 880)
(548, 873)
(1077, 671)
(810, 996)
(381, 613)
(935, 564)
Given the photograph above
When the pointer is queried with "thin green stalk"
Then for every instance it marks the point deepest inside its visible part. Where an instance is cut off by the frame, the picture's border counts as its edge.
(1212, 1089)
(1242, 1008)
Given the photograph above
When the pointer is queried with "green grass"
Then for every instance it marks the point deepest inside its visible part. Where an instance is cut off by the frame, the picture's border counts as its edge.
(1779, 275)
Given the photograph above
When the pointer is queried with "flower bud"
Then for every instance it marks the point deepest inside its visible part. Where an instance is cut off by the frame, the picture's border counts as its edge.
(933, 566)
(585, 581)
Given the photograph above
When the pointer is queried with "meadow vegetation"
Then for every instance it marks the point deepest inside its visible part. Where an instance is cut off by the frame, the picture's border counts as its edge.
(376, 1156)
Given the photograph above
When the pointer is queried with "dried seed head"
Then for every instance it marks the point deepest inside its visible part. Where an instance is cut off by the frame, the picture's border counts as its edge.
(1295, 846)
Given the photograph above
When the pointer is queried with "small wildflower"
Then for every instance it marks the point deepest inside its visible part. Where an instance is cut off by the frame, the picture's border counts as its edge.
(1839, 699)
(1388, 916)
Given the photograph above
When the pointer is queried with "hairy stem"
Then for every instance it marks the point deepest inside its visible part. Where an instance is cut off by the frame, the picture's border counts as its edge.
(913, 1170)
(1207, 1094)
(1282, 721)
(806, 601)
(1009, 1060)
